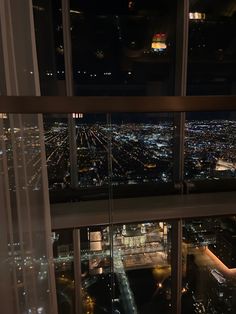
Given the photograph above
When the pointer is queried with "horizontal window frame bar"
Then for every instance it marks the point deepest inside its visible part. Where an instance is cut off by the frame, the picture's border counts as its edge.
(109, 104)
(140, 209)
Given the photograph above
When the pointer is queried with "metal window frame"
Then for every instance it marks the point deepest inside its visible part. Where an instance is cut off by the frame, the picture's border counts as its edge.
(179, 137)
(141, 209)
(129, 104)
(77, 271)
(69, 89)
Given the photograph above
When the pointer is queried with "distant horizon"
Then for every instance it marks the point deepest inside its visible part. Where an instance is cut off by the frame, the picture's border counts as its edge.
(145, 118)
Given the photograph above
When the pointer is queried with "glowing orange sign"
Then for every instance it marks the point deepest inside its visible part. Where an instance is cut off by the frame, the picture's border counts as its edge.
(159, 42)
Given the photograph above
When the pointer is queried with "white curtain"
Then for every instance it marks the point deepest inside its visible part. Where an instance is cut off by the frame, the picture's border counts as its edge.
(25, 236)
(27, 283)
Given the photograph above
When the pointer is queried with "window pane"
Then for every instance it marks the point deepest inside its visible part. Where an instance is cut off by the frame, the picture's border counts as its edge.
(133, 152)
(138, 148)
(123, 47)
(212, 48)
(98, 283)
(210, 146)
(138, 280)
(64, 270)
(50, 46)
(93, 140)
(57, 151)
(142, 148)
(209, 263)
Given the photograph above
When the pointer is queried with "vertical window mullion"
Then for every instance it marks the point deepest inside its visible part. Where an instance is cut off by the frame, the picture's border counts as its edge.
(179, 133)
(69, 90)
(77, 271)
(176, 265)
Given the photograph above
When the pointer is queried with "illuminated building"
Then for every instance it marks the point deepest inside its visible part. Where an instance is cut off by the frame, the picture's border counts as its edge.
(132, 239)
(197, 16)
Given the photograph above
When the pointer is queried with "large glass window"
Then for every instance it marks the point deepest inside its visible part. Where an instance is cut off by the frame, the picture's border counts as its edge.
(126, 150)
(123, 47)
(128, 48)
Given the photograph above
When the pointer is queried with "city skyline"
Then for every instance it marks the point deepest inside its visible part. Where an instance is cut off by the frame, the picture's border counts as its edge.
(147, 147)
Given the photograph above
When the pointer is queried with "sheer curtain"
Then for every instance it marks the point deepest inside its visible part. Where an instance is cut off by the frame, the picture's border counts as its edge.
(25, 221)
(27, 283)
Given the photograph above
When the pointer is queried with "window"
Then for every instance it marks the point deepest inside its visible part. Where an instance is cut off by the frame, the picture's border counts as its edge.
(209, 265)
(211, 48)
(135, 276)
(123, 48)
(210, 145)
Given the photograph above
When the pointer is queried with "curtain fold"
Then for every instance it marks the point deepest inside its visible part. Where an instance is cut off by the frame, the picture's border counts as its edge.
(25, 257)
(25, 247)
(27, 283)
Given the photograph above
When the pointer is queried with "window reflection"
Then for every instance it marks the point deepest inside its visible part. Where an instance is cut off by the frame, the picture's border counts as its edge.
(212, 48)
(50, 46)
(123, 47)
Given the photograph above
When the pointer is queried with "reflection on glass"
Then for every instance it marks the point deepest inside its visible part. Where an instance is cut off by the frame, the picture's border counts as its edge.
(212, 47)
(209, 261)
(210, 146)
(64, 270)
(26, 137)
(50, 46)
(123, 47)
(132, 278)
